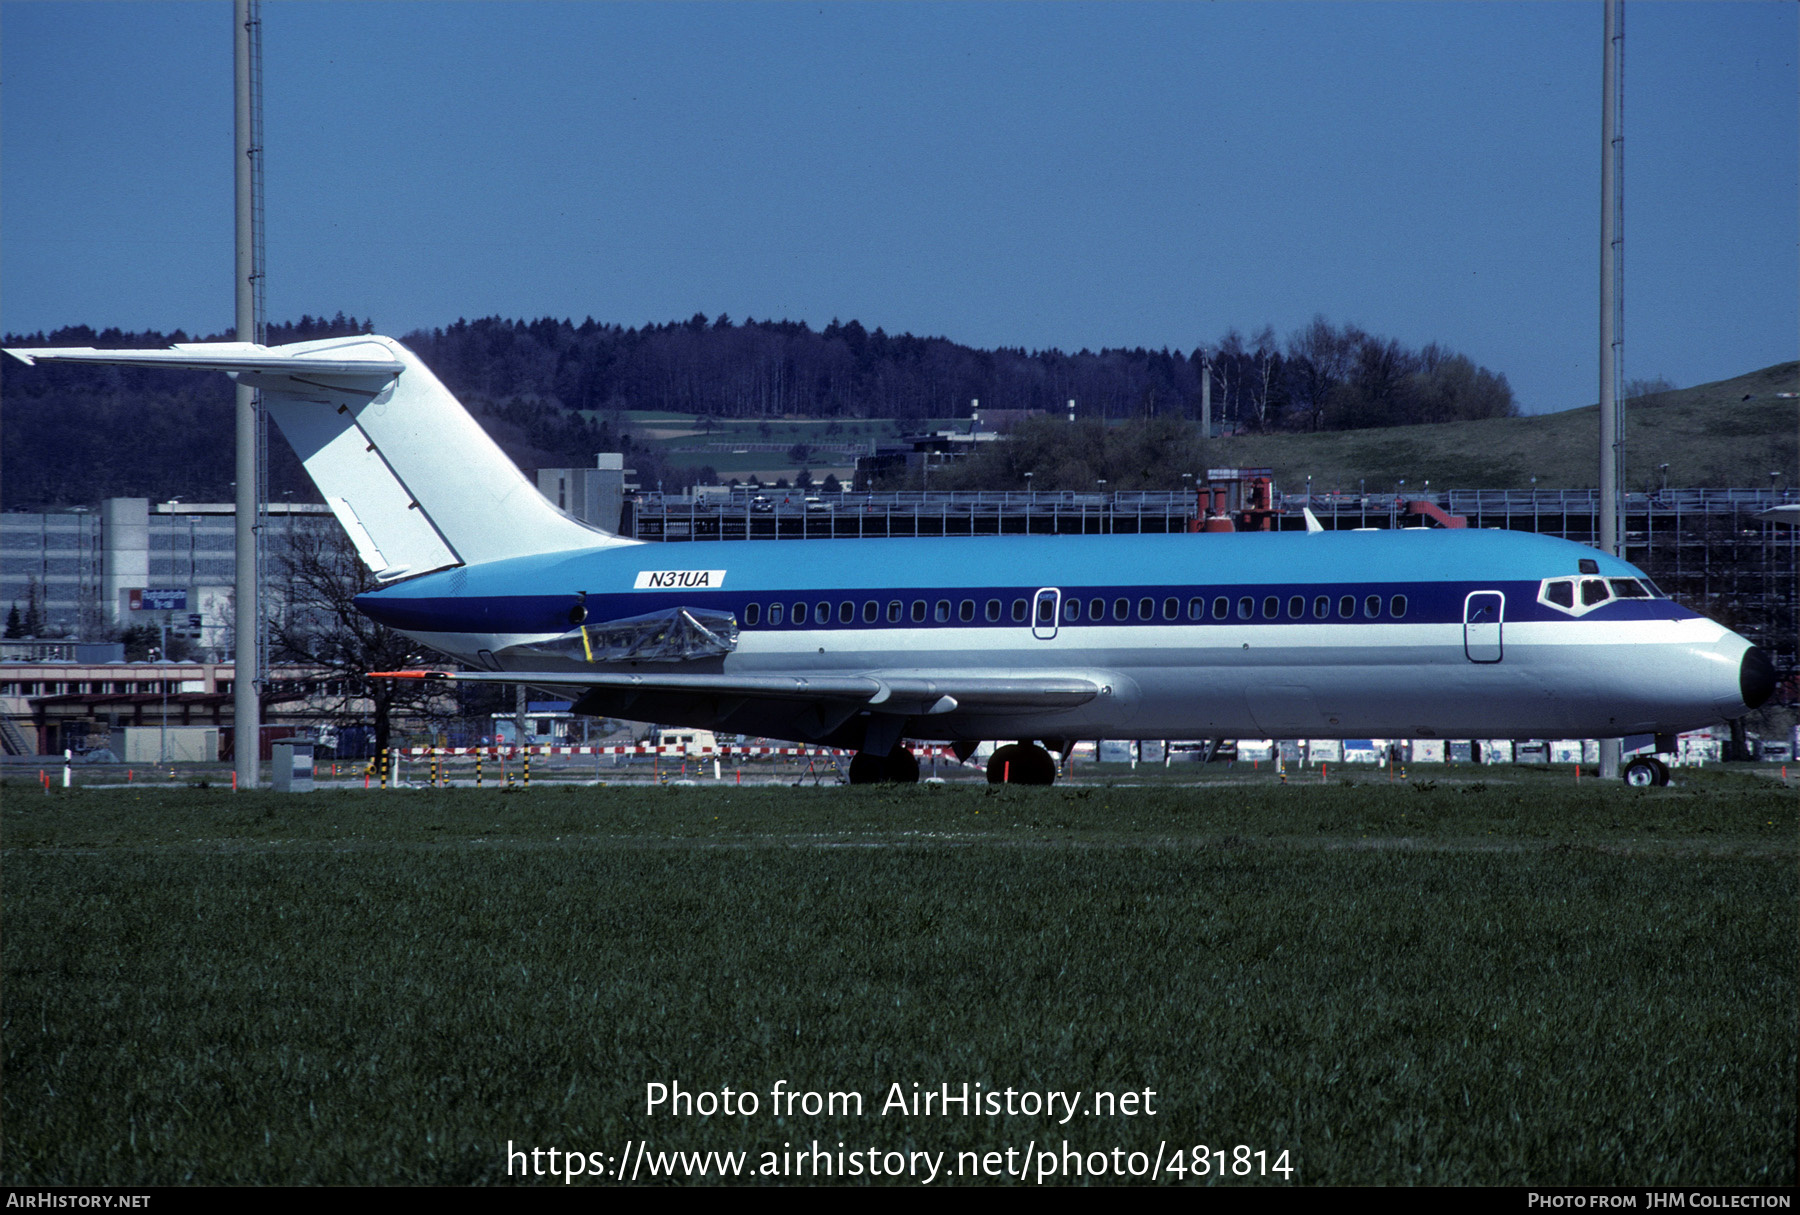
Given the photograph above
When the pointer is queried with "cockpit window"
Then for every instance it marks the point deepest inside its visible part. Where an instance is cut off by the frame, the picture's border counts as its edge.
(1579, 596)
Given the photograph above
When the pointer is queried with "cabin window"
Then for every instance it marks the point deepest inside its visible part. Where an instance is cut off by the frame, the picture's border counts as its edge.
(1046, 610)
(1321, 607)
(1593, 591)
(1246, 608)
(1071, 610)
(1271, 606)
(1171, 608)
(752, 614)
(965, 611)
(846, 612)
(993, 610)
(1397, 606)
(1196, 609)
(823, 614)
(941, 613)
(1372, 606)
(871, 611)
(1096, 609)
(1121, 609)
(1018, 611)
(799, 613)
(1347, 606)
(918, 611)
(1296, 606)
(775, 613)
(894, 610)
(1146, 608)
(1221, 607)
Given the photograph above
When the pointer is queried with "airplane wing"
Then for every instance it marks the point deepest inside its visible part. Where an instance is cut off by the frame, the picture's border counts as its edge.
(787, 706)
(911, 697)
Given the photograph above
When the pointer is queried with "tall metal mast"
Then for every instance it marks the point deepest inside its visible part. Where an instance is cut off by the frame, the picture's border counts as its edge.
(248, 673)
(1612, 305)
(1612, 279)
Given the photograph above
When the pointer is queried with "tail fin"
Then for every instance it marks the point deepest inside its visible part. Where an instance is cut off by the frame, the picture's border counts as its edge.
(412, 477)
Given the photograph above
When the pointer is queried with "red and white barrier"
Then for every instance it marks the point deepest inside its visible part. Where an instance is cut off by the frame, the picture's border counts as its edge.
(669, 750)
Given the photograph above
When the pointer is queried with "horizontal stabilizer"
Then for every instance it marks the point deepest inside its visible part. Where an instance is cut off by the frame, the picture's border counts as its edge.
(221, 356)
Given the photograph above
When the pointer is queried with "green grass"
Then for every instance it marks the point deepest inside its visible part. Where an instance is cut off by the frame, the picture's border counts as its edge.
(1500, 982)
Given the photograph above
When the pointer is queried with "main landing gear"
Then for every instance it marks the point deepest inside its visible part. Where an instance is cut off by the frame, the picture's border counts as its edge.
(1021, 764)
(897, 767)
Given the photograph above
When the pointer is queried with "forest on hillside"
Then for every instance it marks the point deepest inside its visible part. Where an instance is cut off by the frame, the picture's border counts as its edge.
(552, 392)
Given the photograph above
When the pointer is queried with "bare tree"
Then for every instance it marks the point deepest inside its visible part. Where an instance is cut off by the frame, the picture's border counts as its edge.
(1264, 360)
(321, 628)
(1319, 356)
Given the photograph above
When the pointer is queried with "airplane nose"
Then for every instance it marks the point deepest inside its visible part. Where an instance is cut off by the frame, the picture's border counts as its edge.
(1756, 677)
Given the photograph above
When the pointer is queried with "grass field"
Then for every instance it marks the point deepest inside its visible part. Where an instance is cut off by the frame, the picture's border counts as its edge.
(1514, 980)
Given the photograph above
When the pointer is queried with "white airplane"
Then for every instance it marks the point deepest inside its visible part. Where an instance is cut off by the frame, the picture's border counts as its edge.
(865, 643)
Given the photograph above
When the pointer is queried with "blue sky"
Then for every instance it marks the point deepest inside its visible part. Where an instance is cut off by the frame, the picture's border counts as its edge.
(1030, 175)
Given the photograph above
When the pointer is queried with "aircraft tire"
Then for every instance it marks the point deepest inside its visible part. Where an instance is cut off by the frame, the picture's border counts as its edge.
(902, 766)
(897, 767)
(1643, 772)
(1021, 764)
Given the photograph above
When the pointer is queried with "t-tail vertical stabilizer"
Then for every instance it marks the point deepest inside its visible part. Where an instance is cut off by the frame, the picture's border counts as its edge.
(416, 481)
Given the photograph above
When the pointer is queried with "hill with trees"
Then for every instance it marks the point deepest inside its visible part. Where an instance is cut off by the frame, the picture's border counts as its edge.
(553, 393)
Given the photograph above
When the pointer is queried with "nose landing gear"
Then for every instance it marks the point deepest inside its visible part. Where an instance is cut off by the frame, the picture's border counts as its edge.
(1645, 771)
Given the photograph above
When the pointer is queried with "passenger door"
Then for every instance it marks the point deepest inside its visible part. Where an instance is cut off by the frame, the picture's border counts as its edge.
(1483, 617)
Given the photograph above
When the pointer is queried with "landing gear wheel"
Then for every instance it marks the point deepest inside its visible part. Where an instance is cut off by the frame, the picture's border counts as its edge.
(897, 767)
(1021, 764)
(1645, 771)
(902, 766)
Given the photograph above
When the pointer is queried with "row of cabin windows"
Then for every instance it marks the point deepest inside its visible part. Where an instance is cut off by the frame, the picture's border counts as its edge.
(1074, 609)
(870, 611)
(1296, 608)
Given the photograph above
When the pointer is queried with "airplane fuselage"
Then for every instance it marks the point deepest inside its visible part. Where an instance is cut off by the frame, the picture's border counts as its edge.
(1413, 633)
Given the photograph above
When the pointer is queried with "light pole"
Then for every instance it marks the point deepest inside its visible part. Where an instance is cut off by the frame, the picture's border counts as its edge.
(162, 659)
